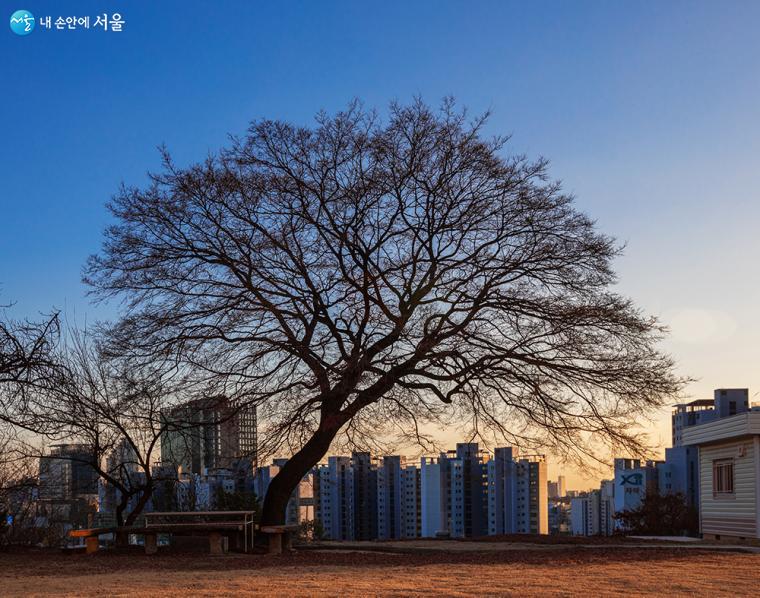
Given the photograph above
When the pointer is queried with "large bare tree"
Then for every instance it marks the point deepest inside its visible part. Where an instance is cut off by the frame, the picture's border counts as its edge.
(367, 276)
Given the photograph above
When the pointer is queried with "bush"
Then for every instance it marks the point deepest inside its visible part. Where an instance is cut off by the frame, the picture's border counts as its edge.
(661, 515)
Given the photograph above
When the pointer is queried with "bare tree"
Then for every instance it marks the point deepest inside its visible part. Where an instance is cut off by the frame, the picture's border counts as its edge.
(25, 349)
(110, 407)
(368, 277)
(18, 482)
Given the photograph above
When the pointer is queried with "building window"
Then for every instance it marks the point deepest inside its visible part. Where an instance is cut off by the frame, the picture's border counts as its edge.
(723, 477)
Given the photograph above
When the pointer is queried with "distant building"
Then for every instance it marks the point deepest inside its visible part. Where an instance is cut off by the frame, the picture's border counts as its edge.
(558, 489)
(433, 488)
(468, 494)
(726, 402)
(553, 490)
(561, 487)
(517, 494)
(334, 497)
(193, 493)
(67, 473)
(690, 414)
(121, 465)
(389, 498)
(68, 486)
(607, 507)
(366, 497)
(559, 516)
(592, 514)
(679, 474)
(454, 493)
(208, 434)
(448, 495)
(585, 514)
(633, 479)
(731, 401)
(411, 502)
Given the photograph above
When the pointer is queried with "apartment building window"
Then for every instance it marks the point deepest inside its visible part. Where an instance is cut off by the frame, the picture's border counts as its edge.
(723, 477)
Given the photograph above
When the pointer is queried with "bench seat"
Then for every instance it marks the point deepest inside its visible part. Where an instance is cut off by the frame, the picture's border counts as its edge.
(215, 532)
(279, 536)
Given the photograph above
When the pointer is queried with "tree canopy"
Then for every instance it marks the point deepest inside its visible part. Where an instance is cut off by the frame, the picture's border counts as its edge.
(362, 277)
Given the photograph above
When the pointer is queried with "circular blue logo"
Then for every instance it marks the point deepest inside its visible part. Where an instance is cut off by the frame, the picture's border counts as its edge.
(22, 22)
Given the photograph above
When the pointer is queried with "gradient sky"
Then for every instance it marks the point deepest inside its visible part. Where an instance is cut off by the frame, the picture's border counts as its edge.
(648, 111)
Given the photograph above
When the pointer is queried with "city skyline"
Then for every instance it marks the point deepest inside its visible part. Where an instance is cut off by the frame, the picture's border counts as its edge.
(654, 132)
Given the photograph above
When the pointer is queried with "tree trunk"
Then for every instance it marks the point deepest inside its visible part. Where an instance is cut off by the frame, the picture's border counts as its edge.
(120, 510)
(282, 485)
(147, 492)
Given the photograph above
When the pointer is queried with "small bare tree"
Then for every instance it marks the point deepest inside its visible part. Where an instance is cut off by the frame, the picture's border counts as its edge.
(110, 406)
(18, 483)
(368, 277)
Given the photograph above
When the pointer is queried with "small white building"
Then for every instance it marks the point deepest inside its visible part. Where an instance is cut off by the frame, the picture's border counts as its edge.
(729, 472)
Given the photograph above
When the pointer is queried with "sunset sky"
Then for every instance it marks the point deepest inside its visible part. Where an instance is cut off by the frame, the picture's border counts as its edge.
(648, 111)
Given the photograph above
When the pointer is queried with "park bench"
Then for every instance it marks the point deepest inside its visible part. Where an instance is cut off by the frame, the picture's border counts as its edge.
(237, 526)
(279, 536)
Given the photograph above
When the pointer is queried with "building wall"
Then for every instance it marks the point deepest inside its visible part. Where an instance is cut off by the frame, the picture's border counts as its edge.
(578, 518)
(538, 506)
(680, 473)
(389, 498)
(630, 485)
(207, 434)
(410, 502)
(585, 515)
(456, 523)
(518, 501)
(730, 515)
(730, 401)
(432, 495)
(365, 496)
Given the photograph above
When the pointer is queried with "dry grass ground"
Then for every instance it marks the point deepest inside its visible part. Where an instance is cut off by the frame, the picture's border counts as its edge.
(567, 572)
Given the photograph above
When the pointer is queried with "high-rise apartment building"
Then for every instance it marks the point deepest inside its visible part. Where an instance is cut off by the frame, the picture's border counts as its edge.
(461, 493)
(67, 473)
(334, 496)
(365, 496)
(411, 496)
(453, 489)
(433, 490)
(208, 434)
(389, 498)
(517, 494)
(592, 514)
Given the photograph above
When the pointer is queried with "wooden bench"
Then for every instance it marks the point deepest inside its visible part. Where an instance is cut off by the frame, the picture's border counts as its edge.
(279, 536)
(185, 523)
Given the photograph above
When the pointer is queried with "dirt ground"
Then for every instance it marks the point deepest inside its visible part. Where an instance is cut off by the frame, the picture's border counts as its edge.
(566, 572)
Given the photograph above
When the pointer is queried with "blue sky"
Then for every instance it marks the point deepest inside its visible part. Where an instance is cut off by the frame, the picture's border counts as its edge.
(648, 111)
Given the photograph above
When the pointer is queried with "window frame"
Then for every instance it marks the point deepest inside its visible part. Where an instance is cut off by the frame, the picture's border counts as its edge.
(720, 478)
